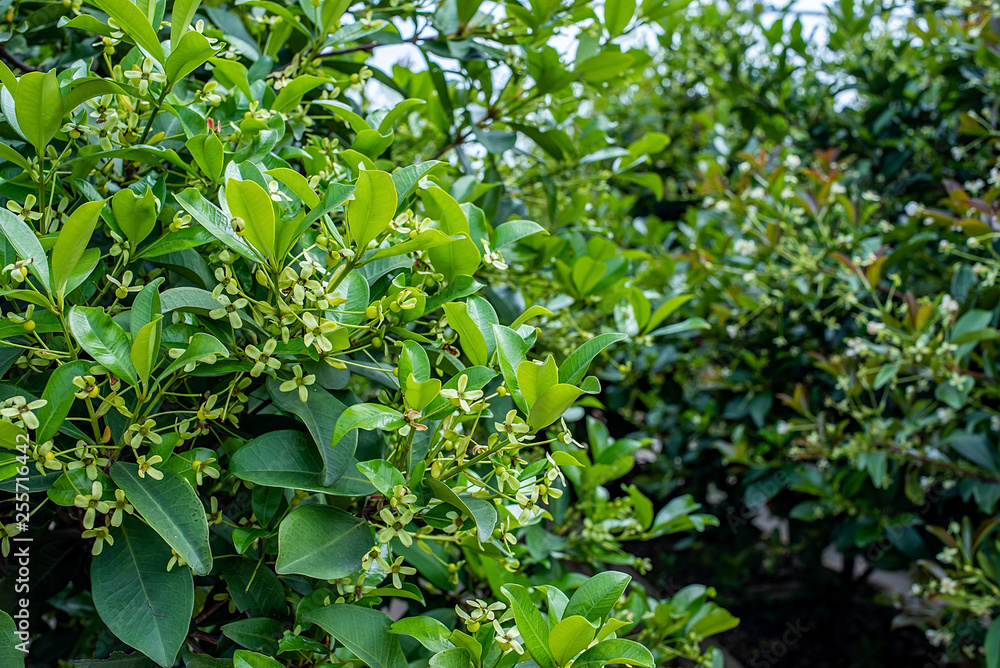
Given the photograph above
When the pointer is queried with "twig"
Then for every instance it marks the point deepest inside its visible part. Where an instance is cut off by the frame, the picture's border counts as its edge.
(15, 61)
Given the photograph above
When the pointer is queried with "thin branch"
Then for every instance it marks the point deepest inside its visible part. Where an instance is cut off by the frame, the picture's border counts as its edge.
(15, 61)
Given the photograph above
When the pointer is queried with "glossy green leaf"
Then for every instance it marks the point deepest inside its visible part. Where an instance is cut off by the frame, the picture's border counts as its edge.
(368, 417)
(575, 366)
(365, 632)
(482, 512)
(217, 223)
(181, 15)
(72, 243)
(536, 378)
(59, 398)
(38, 104)
(250, 202)
(172, 509)
(596, 597)
(570, 637)
(372, 208)
(615, 651)
(552, 404)
(207, 151)
(24, 241)
(530, 623)
(472, 340)
(146, 348)
(106, 342)
(142, 603)
(134, 23)
(10, 654)
(513, 231)
(322, 542)
(189, 53)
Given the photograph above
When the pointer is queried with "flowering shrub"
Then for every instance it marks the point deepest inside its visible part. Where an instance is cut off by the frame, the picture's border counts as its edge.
(266, 355)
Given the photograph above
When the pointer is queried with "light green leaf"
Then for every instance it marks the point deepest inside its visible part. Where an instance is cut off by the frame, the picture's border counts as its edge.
(216, 222)
(172, 509)
(536, 378)
(181, 14)
(23, 239)
(207, 151)
(534, 631)
(38, 105)
(368, 417)
(146, 348)
(473, 341)
(596, 597)
(246, 659)
(146, 306)
(617, 15)
(322, 542)
(188, 54)
(513, 231)
(249, 201)
(72, 242)
(551, 405)
(533, 312)
(106, 342)
(511, 350)
(291, 94)
(664, 310)
(201, 346)
(365, 632)
(297, 183)
(570, 637)
(420, 395)
(575, 366)
(372, 208)
(424, 240)
(134, 24)
(135, 215)
(142, 603)
(428, 631)
(615, 651)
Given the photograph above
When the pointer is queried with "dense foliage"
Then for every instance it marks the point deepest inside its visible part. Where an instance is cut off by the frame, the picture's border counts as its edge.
(317, 355)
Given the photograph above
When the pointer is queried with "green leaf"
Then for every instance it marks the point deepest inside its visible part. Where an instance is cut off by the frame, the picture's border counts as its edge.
(617, 15)
(575, 366)
(297, 183)
(513, 231)
(413, 360)
(246, 659)
(322, 542)
(365, 632)
(664, 310)
(420, 395)
(511, 350)
(181, 14)
(481, 511)
(597, 596)
(288, 459)
(534, 631)
(532, 312)
(201, 346)
(407, 178)
(134, 24)
(257, 633)
(424, 240)
(172, 509)
(207, 151)
(536, 378)
(38, 105)
(142, 603)
(291, 94)
(146, 348)
(72, 243)
(551, 405)
(461, 257)
(615, 651)
(135, 216)
(428, 631)
(188, 54)
(249, 201)
(570, 637)
(28, 247)
(59, 394)
(10, 155)
(106, 342)
(368, 417)
(217, 223)
(146, 306)
(10, 655)
(992, 645)
(319, 413)
(372, 208)
(473, 341)
(455, 657)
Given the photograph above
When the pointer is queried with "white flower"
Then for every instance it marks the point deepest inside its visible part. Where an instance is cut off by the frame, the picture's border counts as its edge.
(745, 247)
(913, 209)
(949, 305)
(792, 161)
